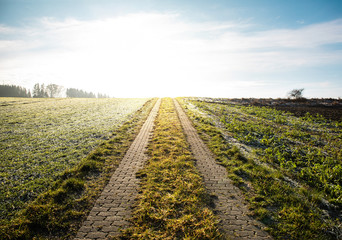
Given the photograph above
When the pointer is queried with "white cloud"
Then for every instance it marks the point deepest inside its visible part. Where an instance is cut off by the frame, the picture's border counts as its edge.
(5, 30)
(141, 54)
(310, 36)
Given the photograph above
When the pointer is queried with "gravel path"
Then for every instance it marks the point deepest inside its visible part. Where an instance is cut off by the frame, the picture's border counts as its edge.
(113, 207)
(229, 205)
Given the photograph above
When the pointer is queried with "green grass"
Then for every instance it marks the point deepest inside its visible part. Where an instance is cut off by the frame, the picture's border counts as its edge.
(290, 212)
(41, 138)
(58, 212)
(173, 203)
(307, 149)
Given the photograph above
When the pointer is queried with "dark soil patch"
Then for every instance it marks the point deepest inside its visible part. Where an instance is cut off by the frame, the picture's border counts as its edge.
(332, 113)
(329, 108)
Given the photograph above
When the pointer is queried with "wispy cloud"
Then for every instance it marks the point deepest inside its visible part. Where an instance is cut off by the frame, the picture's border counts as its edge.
(142, 52)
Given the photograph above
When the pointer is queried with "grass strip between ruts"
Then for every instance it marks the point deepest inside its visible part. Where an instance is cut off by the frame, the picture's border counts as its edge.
(59, 212)
(173, 203)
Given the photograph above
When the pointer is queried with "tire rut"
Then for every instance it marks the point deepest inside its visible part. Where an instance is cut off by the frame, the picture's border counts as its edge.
(113, 208)
(229, 202)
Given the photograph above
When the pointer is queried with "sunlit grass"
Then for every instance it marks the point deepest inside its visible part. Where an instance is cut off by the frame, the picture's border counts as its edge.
(173, 203)
(41, 138)
(290, 211)
(57, 213)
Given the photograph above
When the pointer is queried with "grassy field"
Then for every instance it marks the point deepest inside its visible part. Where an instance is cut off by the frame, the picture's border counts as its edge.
(289, 168)
(58, 154)
(173, 203)
(41, 138)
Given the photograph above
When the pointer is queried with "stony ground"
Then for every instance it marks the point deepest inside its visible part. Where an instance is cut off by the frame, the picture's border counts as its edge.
(113, 208)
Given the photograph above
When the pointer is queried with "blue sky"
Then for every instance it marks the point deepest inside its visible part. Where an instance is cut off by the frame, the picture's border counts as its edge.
(143, 48)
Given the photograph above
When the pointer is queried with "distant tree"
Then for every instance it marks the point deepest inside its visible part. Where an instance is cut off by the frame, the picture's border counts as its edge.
(53, 90)
(296, 93)
(99, 95)
(36, 90)
(43, 92)
(13, 91)
(39, 91)
(76, 93)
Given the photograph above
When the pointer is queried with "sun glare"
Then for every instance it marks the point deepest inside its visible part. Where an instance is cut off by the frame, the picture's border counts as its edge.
(150, 54)
(126, 58)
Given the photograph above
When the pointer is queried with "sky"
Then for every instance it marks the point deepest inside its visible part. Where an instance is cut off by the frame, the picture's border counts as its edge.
(158, 48)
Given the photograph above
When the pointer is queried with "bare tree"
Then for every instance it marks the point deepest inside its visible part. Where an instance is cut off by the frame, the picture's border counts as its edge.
(296, 93)
(53, 90)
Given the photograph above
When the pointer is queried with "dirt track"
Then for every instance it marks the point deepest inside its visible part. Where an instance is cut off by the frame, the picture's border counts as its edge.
(113, 208)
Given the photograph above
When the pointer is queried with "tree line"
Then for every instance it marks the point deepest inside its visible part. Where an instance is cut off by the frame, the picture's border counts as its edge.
(77, 93)
(14, 91)
(49, 91)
